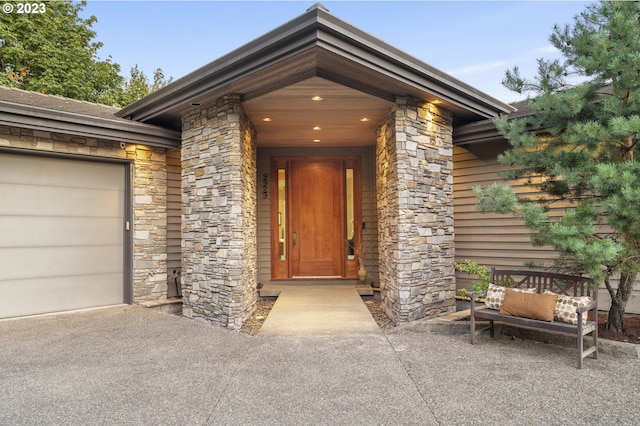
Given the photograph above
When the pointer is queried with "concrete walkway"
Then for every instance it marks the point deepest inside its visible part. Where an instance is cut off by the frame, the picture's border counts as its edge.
(131, 365)
(318, 310)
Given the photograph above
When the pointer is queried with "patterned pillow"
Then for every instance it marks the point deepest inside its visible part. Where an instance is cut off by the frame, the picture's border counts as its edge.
(565, 310)
(495, 296)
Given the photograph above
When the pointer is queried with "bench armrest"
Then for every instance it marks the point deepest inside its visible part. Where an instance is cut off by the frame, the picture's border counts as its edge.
(475, 295)
(590, 306)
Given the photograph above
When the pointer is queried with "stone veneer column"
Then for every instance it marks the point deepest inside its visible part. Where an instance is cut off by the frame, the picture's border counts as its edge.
(414, 181)
(149, 223)
(219, 245)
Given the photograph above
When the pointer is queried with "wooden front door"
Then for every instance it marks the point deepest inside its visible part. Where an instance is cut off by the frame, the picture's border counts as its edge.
(310, 216)
(317, 217)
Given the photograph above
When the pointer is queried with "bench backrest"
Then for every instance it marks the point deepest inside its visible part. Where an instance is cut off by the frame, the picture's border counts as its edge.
(571, 285)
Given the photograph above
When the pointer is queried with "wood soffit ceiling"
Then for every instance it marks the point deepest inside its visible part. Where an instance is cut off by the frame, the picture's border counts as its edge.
(291, 117)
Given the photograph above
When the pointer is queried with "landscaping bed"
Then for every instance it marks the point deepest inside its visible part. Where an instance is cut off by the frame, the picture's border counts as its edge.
(631, 335)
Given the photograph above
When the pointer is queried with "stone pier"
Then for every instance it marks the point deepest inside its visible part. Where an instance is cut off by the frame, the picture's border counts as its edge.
(219, 252)
(414, 181)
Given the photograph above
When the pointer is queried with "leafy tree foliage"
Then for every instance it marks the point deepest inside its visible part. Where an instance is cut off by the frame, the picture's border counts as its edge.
(580, 147)
(53, 53)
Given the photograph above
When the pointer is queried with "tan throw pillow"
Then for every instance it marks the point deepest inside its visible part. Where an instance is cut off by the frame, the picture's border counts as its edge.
(565, 309)
(495, 295)
(527, 305)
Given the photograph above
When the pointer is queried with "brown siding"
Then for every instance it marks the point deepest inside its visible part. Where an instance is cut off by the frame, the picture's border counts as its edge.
(174, 212)
(489, 239)
(493, 239)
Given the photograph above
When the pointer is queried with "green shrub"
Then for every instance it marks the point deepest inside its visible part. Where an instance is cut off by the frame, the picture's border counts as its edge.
(472, 268)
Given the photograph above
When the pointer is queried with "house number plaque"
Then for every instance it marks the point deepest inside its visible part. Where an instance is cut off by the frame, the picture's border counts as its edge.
(265, 186)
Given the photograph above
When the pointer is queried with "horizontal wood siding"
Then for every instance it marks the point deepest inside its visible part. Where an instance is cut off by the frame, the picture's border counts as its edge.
(496, 240)
(174, 214)
(488, 239)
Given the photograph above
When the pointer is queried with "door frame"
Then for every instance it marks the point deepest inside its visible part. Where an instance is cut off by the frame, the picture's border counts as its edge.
(281, 267)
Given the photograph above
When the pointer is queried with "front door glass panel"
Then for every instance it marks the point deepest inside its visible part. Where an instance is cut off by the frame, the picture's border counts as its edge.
(282, 214)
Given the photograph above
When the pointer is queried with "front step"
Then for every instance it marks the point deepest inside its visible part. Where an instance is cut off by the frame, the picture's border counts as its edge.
(168, 306)
(364, 289)
(273, 290)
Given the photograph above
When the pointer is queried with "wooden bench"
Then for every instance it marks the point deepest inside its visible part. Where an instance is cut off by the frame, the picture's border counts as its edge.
(540, 281)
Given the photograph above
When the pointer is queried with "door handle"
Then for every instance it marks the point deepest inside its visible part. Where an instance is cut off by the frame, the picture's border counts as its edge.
(295, 237)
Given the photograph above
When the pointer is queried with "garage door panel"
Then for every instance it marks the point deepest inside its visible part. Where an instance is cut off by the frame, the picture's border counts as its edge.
(48, 200)
(47, 171)
(39, 231)
(59, 294)
(27, 263)
(62, 242)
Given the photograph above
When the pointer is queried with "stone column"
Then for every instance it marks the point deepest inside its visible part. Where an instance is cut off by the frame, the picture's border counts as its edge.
(414, 181)
(219, 246)
(150, 223)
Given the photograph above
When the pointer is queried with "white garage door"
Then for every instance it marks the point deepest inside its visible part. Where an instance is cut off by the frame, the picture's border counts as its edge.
(61, 234)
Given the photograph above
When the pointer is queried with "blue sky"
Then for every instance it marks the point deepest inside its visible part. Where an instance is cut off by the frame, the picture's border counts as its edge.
(474, 41)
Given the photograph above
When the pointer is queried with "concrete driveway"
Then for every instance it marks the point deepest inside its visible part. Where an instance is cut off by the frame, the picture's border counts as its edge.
(131, 365)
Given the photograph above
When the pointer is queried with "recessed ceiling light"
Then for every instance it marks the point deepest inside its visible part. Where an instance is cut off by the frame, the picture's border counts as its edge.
(364, 119)
(436, 101)
(316, 98)
(266, 119)
(316, 140)
(317, 128)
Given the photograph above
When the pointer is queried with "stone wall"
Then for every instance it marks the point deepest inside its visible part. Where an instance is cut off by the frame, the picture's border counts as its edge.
(414, 180)
(149, 197)
(219, 249)
(149, 223)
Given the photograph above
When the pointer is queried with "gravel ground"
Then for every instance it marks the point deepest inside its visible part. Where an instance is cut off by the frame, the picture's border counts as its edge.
(263, 307)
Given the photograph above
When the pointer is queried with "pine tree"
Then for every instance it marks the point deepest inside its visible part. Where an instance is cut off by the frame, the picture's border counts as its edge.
(580, 144)
(139, 86)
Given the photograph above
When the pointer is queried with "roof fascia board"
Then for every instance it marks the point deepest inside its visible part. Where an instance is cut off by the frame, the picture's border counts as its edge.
(43, 119)
(308, 30)
(284, 41)
(484, 131)
(481, 131)
(399, 73)
(226, 75)
(405, 67)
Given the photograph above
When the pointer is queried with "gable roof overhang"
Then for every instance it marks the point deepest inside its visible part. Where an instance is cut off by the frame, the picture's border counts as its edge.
(316, 44)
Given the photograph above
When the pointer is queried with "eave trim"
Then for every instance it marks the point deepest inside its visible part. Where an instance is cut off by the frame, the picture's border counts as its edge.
(47, 120)
(314, 29)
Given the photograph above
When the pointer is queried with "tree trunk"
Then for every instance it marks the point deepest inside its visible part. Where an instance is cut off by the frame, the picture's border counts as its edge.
(615, 321)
